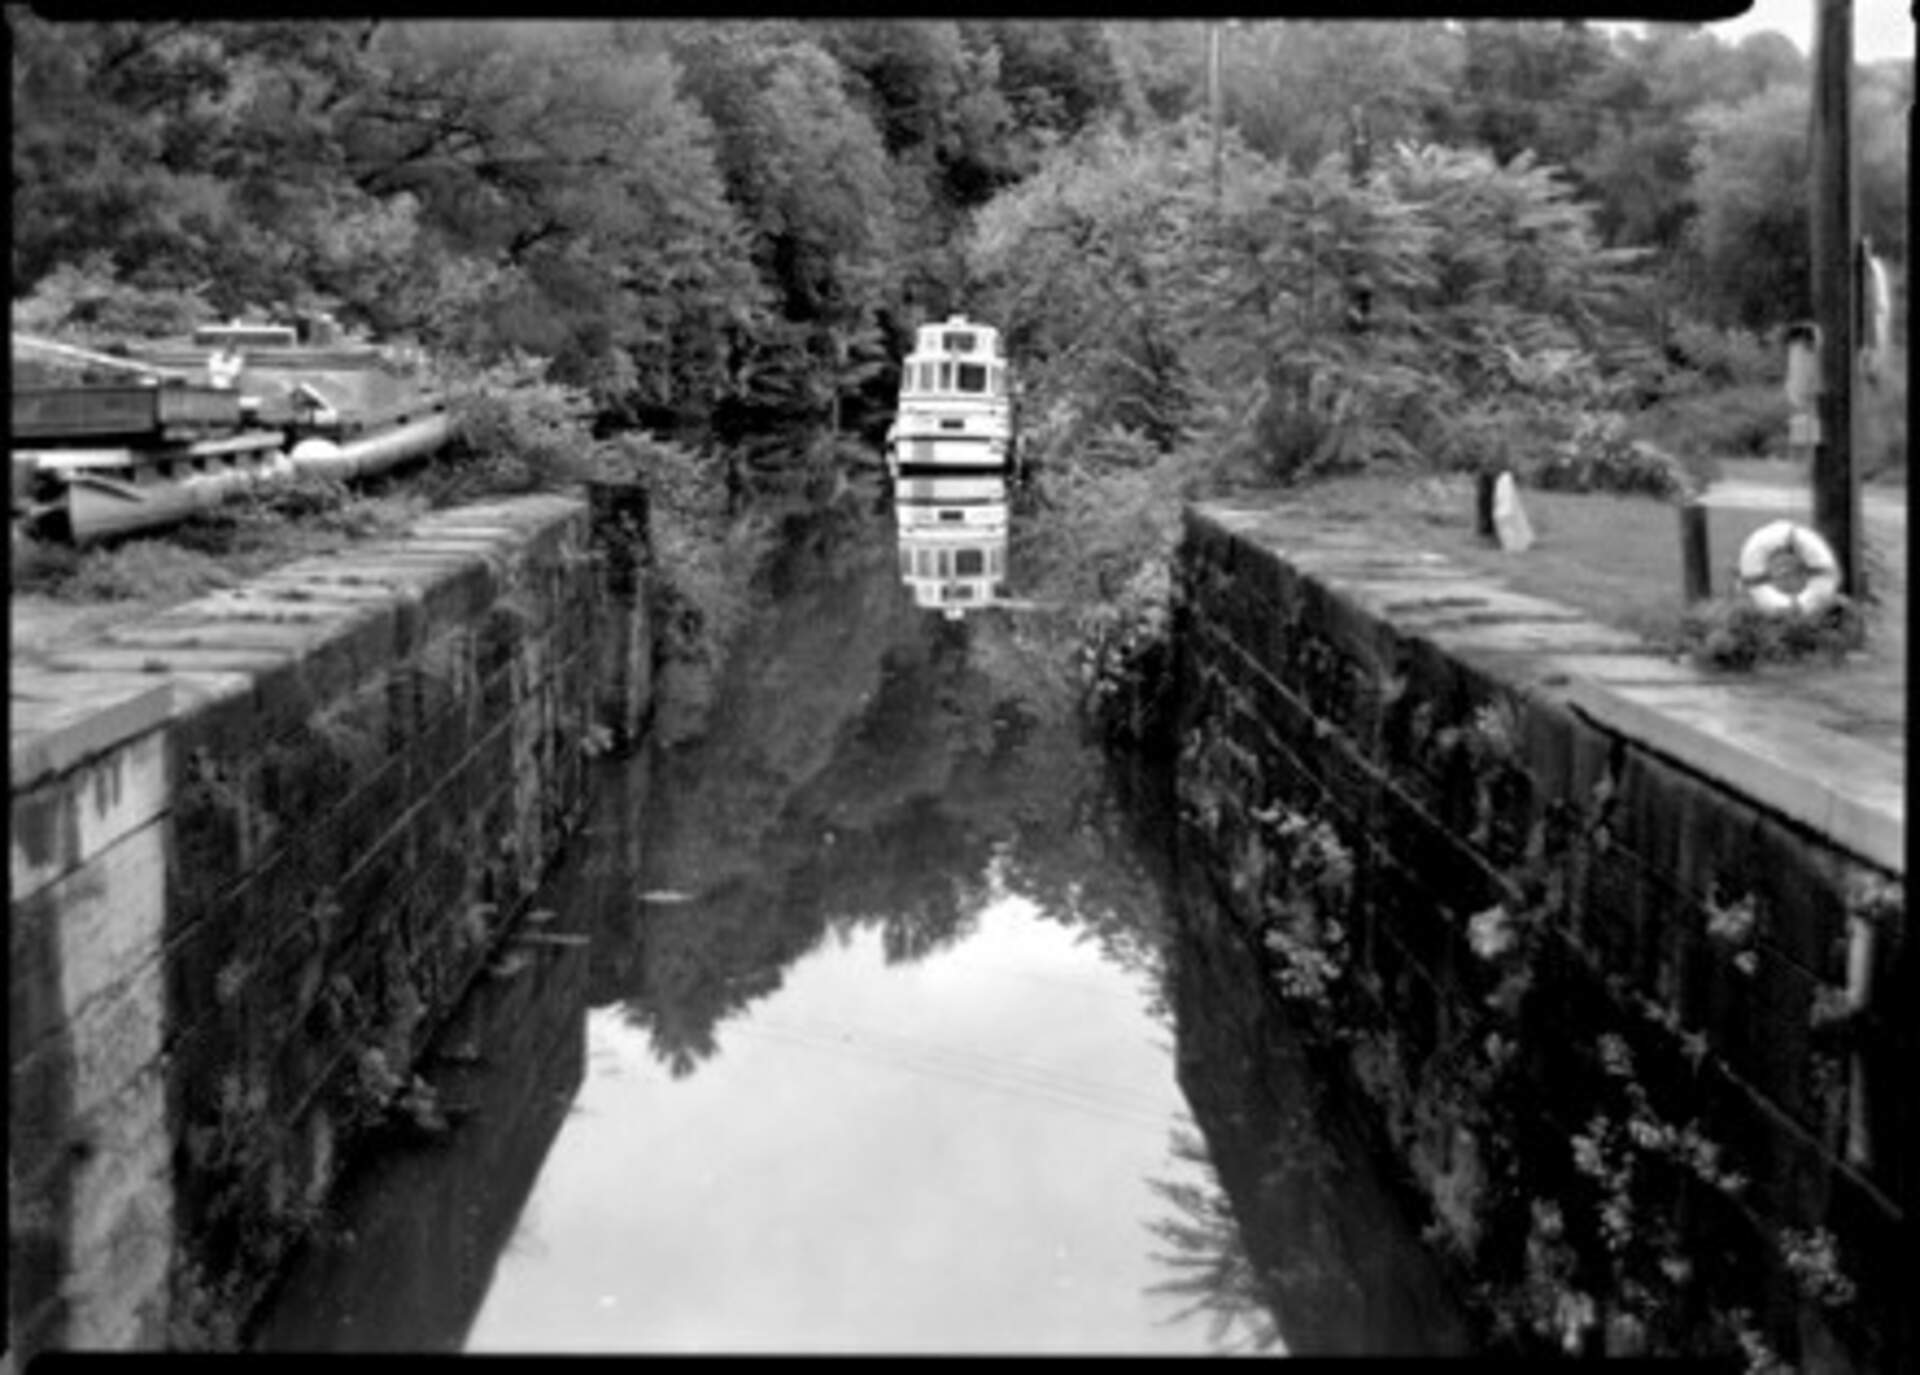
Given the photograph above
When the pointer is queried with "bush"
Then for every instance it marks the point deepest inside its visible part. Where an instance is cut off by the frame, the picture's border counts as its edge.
(1733, 633)
(1727, 357)
(1601, 456)
(38, 566)
(90, 303)
(704, 559)
(514, 431)
(1736, 422)
(141, 570)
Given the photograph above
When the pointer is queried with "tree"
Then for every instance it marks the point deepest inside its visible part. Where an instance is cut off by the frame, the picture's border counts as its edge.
(123, 148)
(1298, 91)
(1075, 262)
(1161, 69)
(1750, 170)
(569, 167)
(807, 171)
(1514, 82)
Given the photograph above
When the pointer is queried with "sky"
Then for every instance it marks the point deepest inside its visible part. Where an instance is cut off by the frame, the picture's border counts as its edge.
(1881, 28)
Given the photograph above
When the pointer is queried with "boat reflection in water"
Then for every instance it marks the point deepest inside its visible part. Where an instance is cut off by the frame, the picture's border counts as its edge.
(953, 540)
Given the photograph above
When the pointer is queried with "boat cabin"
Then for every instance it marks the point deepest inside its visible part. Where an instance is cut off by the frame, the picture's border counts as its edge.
(955, 359)
(954, 413)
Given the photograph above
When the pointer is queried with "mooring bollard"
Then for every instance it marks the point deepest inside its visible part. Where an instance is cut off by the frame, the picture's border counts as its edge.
(1696, 571)
(1483, 504)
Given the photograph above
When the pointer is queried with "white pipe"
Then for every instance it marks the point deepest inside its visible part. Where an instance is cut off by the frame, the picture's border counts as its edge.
(365, 457)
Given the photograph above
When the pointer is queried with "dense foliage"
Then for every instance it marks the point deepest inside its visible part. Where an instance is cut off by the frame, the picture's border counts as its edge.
(1400, 243)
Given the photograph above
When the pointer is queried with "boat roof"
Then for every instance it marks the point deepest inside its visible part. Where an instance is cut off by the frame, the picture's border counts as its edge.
(933, 338)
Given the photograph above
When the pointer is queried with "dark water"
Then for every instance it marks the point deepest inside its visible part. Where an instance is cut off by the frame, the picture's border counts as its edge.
(880, 1020)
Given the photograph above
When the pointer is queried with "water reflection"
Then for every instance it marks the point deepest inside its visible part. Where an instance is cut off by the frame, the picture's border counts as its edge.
(952, 1154)
(887, 1038)
(1329, 1250)
(952, 535)
(407, 1250)
(1213, 1273)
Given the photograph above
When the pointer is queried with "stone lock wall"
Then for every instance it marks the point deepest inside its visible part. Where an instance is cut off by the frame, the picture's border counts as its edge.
(1611, 953)
(261, 844)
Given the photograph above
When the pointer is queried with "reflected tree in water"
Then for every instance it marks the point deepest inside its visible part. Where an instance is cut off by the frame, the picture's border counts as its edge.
(869, 767)
(706, 961)
(1213, 1271)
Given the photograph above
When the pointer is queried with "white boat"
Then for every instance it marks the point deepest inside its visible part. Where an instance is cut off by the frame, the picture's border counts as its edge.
(955, 414)
(953, 541)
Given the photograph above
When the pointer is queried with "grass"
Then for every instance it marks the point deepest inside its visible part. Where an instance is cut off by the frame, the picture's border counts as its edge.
(58, 592)
(211, 549)
(1617, 558)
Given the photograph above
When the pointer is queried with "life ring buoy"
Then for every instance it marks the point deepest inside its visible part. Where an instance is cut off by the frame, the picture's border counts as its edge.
(1760, 570)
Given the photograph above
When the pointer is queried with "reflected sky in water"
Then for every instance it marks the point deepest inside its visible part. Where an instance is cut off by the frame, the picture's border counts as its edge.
(955, 1154)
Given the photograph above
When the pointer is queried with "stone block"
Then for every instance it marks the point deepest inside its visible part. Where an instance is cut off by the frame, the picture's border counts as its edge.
(203, 959)
(1844, 790)
(123, 1163)
(37, 1307)
(218, 831)
(63, 821)
(109, 1287)
(107, 917)
(58, 720)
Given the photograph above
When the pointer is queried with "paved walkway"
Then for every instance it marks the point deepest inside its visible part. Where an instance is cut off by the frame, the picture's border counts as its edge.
(1879, 506)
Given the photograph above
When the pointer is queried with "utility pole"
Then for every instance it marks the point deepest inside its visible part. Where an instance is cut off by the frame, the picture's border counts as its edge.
(1213, 99)
(1836, 485)
(1359, 164)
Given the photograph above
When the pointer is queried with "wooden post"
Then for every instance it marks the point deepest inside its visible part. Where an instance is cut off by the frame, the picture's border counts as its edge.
(1696, 570)
(1836, 487)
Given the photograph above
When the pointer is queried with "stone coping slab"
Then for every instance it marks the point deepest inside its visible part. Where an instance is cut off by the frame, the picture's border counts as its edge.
(1757, 742)
(1831, 783)
(57, 720)
(73, 699)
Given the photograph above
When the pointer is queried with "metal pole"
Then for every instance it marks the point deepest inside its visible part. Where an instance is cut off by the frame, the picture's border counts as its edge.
(1836, 487)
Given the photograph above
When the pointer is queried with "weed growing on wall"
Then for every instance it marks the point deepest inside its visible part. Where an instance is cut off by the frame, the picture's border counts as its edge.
(1303, 911)
(1732, 633)
(1124, 666)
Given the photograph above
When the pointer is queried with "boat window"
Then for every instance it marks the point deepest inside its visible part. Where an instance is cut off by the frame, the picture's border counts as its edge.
(969, 563)
(957, 341)
(926, 377)
(945, 563)
(973, 377)
(946, 377)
